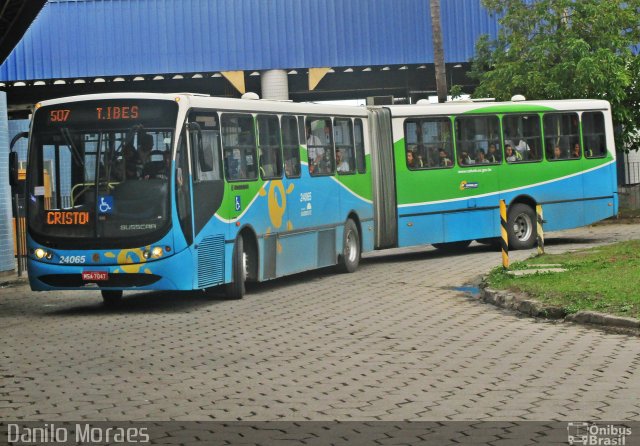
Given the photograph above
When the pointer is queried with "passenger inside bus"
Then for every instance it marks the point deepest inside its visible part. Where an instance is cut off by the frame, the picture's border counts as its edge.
(444, 158)
(341, 162)
(575, 152)
(410, 160)
(131, 160)
(464, 159)
(480, 158)
(145, 147)
(511, 156)
(493, 156)
(557, 153)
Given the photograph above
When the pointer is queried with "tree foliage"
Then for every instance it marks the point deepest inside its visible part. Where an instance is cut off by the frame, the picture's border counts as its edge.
(560, 49)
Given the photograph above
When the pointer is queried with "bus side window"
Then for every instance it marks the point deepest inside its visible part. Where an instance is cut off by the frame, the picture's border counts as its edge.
(269, 147)
(593, 136)
(522, 133)
(561, 135)
(361, 161)
(208, 148)
(239, 144)
(478, 140)
(319, 132)
(291, 146)
(428, 143)
(345, 152)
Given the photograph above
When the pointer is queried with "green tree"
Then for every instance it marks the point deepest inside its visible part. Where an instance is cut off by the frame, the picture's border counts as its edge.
(559, 49)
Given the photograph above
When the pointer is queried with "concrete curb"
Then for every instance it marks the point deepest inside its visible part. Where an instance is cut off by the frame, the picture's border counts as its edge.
(521, 304)
(525, 305)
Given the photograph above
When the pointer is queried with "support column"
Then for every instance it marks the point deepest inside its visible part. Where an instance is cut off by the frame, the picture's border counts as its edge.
(7, 261)
(274, 85)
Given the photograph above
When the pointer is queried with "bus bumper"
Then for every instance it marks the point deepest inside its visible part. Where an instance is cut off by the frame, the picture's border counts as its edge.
(170, 273)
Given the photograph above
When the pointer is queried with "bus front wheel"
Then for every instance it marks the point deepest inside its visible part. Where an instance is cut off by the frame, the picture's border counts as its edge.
(349, 258)
(111, 298)
(236, 289)
(521, 226)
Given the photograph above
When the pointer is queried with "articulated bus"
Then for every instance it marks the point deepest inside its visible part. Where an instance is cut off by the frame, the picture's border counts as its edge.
(191, 192)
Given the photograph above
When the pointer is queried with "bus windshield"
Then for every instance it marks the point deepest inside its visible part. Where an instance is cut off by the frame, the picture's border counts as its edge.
(96, 178)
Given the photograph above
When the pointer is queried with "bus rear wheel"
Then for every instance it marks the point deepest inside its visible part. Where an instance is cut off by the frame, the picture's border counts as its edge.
(111, 298)
(236, 289)
(521, 226)
(349, 258)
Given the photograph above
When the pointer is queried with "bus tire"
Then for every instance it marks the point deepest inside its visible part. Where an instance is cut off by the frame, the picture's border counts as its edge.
(521, 226)
(111, 298)
(349, 258)
(236, 289)
(452, 246)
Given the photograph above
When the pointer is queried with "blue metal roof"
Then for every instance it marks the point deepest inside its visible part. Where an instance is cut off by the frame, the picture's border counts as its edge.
(88, 38)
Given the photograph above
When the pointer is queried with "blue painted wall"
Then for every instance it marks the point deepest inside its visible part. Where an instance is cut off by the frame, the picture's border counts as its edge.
(88, 38)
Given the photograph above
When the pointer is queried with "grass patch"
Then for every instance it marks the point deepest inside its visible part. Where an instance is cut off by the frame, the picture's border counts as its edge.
(603, 279)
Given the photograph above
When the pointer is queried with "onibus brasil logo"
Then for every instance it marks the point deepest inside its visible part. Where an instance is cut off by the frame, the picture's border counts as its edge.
(582, 433)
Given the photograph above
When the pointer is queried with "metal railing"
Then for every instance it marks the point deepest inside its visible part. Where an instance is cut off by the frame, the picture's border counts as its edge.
(631, 173)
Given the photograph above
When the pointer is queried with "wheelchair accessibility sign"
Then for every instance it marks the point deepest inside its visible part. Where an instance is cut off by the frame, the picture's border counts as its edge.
(238, 203)
(106, 204)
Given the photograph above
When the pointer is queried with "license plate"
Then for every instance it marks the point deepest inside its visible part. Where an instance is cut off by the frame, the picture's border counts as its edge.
(95, 276)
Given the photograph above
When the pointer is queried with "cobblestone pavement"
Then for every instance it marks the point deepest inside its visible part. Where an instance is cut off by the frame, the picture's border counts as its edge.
(394, 341)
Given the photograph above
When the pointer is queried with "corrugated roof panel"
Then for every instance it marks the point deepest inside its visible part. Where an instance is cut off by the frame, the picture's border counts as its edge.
(88, 38)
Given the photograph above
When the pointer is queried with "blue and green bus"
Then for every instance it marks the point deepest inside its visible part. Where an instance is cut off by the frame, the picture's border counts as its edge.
(190, 192)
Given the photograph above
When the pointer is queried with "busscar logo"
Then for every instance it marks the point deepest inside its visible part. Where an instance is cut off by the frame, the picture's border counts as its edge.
(582, 433)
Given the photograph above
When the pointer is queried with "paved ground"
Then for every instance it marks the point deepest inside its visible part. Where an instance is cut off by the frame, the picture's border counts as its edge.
(394, 341)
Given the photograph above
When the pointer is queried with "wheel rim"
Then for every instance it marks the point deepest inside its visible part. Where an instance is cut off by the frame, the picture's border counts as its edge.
(245, 266)
(522, 227)
(351, 247)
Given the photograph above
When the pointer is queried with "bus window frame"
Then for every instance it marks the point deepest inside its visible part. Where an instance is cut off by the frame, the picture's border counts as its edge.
(504, 139)
(500, 141)
(604, 134)
(352, 170)
(195, 112)
(245, 178)
(579, 135)
(280, 160)
(331, 148)
(451, 134)
(285, 149)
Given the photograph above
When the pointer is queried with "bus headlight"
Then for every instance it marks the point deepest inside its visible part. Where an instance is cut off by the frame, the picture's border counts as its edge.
(41, 253)
(156, 252)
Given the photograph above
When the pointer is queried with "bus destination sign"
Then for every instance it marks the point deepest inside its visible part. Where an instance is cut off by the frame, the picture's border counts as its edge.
(106, 113)
(112, 113)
